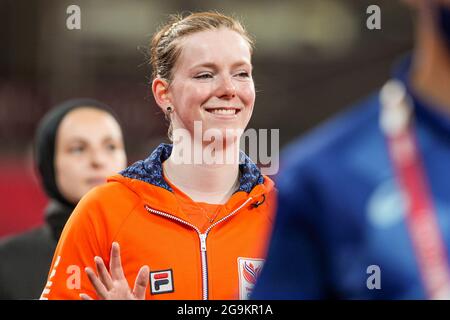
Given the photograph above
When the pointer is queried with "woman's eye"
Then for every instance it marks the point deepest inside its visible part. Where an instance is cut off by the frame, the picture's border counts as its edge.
(203, 76)
(76, 149)
(111, 147)
(243, 74)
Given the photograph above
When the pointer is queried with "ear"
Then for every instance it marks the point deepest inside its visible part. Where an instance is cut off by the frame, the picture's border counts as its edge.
(161, 93)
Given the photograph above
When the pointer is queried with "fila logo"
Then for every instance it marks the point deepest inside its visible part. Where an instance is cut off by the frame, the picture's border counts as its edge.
(161, 281)
(249, 270)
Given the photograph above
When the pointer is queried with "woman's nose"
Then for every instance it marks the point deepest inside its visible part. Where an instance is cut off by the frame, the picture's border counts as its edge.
(98, 159)
(226, 88)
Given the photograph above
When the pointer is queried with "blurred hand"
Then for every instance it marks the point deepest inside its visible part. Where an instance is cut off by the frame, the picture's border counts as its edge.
(114, 286)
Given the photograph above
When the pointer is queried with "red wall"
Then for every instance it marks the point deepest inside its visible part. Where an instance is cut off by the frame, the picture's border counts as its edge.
(22, 202)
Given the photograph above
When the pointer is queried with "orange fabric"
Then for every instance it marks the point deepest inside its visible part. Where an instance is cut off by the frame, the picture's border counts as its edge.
(200, 213)
(145, 220)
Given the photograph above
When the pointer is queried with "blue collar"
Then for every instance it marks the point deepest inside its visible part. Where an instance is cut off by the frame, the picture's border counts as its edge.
(150, 170)
(423, 110)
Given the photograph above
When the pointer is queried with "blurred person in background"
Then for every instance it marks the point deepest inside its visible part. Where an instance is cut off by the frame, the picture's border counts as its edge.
(77, 145)
(364, 200)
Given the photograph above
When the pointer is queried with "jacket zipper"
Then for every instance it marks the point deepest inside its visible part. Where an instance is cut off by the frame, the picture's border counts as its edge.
(202, 237)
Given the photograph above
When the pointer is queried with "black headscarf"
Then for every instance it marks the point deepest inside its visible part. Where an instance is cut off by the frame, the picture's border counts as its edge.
(44, 146)
(444, 23)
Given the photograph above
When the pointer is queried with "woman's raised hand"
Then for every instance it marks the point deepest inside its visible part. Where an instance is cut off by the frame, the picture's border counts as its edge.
(114, 286)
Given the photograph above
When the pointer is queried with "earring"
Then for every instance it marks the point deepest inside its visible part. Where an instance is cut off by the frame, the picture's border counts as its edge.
(169, 109)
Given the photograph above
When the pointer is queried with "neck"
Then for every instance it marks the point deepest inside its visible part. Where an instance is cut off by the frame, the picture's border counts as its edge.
(430, 71)
(203, 182)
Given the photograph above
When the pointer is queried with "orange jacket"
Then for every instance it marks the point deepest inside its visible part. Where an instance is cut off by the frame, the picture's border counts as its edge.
(137, 209)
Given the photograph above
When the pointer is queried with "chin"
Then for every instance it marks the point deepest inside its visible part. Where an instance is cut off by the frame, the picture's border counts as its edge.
(222, 136)
(224, 130)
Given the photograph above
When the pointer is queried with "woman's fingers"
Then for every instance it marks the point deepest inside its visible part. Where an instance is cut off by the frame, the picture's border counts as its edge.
(103, 273)
(85, 296)
(105, 283)
(115, 264)
(98, 285)
(141, 283)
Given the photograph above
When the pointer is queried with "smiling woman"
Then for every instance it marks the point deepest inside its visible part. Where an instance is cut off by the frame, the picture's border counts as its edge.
(204, 58)
(194, 223)
(224, 88)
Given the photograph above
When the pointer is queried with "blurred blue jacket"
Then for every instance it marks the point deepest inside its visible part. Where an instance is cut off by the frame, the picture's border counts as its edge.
(341, 211)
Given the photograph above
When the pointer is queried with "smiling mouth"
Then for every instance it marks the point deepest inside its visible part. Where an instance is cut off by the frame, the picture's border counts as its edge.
(223, 111)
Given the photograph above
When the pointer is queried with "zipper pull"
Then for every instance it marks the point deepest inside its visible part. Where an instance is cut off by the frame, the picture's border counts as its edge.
(203, 242)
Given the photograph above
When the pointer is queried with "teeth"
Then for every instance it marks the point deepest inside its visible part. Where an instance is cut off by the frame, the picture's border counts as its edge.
(224, 111)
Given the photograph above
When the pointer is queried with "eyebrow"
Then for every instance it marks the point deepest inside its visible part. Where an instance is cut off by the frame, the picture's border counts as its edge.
(212, 65)
(79, 139)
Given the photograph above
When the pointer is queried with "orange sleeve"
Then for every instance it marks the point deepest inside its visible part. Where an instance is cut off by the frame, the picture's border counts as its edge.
(84, 237)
